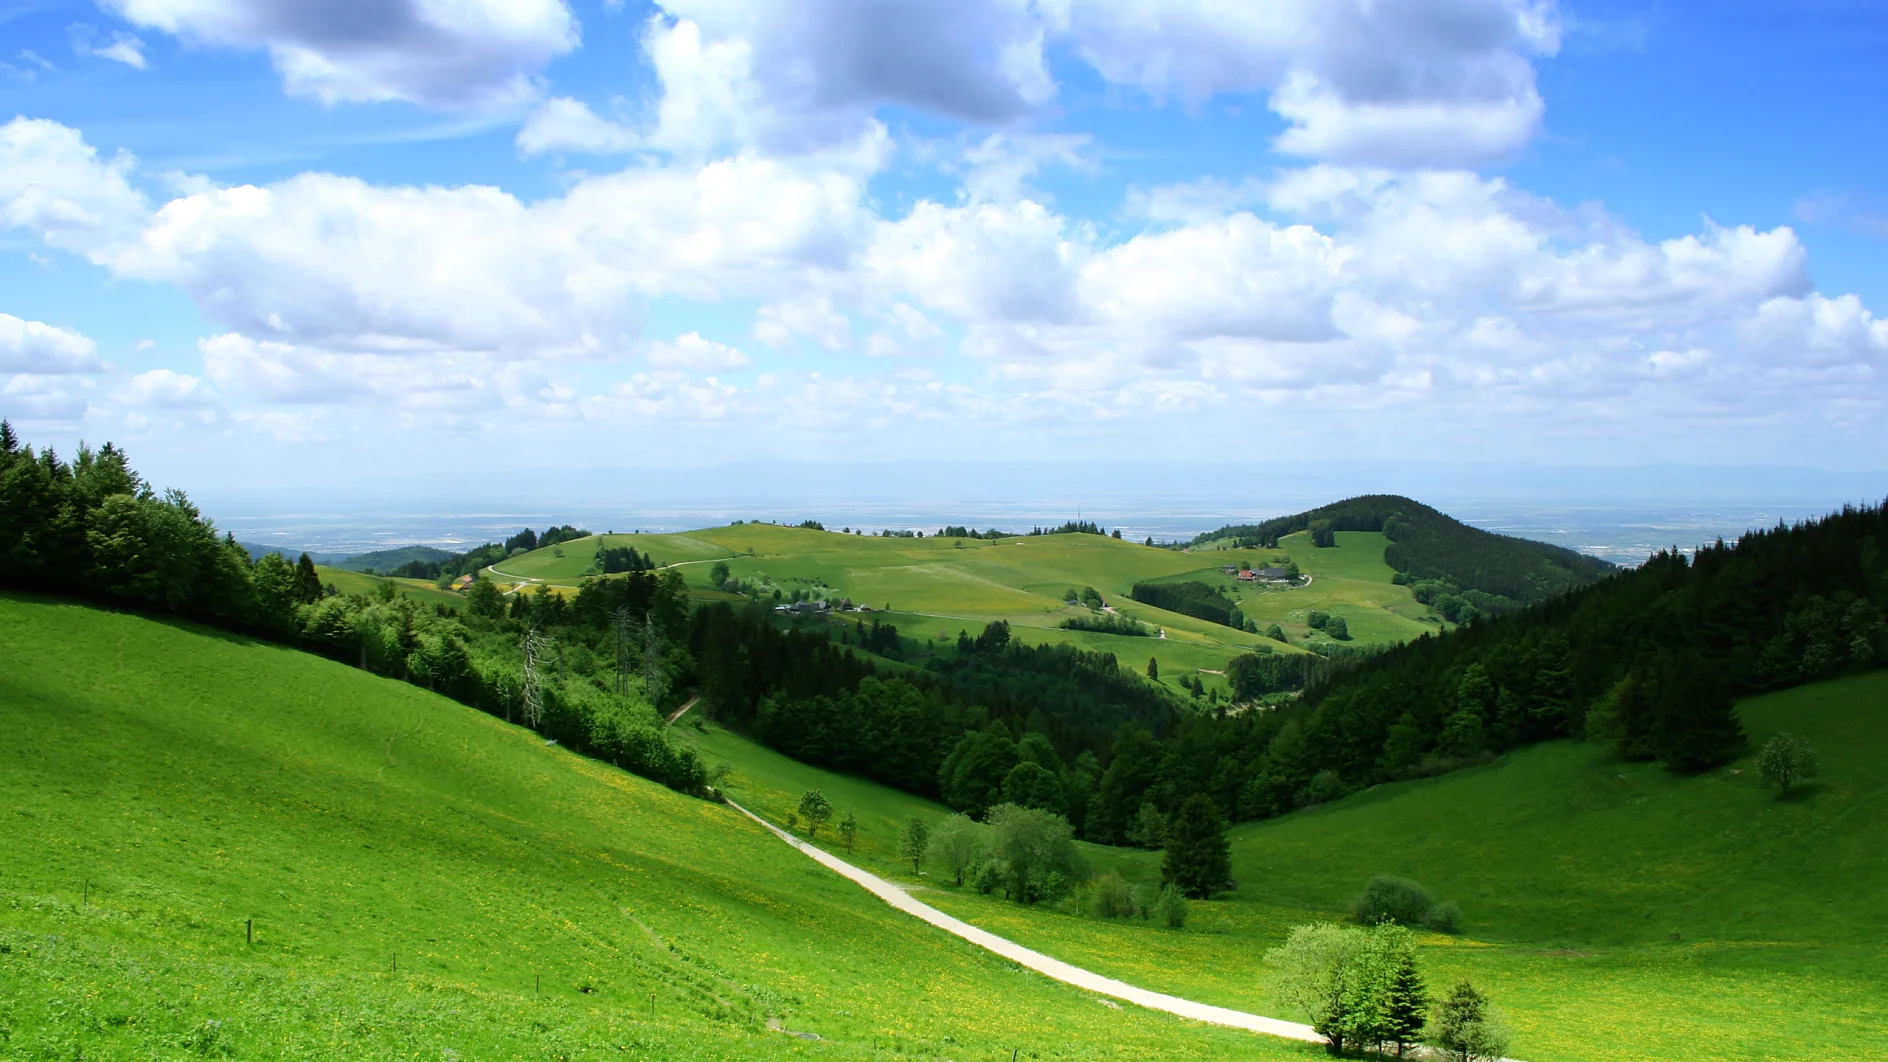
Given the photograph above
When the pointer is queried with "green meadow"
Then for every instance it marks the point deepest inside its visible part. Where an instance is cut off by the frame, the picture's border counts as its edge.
(1614, 910)
(425, 881)
(933, 588)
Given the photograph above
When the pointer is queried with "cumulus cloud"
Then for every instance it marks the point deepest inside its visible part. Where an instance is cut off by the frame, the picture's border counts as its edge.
(54, 183)
(1445, 82)
(165, 389)
(442, 53)
(43, 349)
(690, 351)
(809, 73)
(1328, 288)
(564, 124)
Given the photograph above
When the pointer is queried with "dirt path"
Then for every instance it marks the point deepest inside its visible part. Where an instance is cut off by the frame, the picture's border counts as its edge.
(677, 714)
(1035, 960)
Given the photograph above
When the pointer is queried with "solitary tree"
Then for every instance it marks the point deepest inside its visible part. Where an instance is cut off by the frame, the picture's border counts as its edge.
(1153, 669)
(815, 809)
(1312, 970)
(913, 842)
(1198, 858)
(1785, 761)
(1337, 628)
(848, 831)
(1467, 1028)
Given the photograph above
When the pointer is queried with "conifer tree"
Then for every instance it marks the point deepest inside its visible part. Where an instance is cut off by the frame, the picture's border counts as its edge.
(307, 582)
(1198, 858)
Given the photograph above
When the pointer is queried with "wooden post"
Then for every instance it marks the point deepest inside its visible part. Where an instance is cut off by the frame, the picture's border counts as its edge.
(396, 962)
(250, 925)
(540, 988)
(86, 901)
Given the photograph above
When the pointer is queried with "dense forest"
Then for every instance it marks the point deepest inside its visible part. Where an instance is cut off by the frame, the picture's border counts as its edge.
(1463, 571)
(1196, 599)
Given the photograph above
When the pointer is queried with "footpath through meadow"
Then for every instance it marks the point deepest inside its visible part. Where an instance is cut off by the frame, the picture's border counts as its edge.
(1037, 961)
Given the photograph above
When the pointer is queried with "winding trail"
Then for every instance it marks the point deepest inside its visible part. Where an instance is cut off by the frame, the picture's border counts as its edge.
(1037, 961)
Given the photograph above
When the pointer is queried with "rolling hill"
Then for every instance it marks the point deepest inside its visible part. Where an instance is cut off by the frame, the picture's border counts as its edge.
(426, 881)
(1426, 545)
(1614, 910)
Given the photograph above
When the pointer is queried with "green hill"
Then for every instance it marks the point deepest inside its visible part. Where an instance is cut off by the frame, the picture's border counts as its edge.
(386, 560)
(1493, 573)
(426, 881)
(1612, 909)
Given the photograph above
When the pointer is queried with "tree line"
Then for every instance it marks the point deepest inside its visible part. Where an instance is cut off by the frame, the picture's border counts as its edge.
(1196, 599)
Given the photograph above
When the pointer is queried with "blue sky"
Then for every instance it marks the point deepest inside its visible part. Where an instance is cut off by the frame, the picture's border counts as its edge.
(417, 237)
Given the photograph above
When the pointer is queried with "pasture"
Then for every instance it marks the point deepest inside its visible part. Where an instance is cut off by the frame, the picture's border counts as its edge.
(425, 881)
(1614, 910)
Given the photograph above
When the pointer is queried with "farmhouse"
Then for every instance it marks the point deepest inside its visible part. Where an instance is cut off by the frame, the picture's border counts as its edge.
(1272, 575)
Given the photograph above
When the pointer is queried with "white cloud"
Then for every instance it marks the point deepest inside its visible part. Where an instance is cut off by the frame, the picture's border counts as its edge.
(31, 397)
(691, 352)
(800, 75)
(1441, 82)
(122, 47)
(564, 124)
(165, 389)
(43, 349)
(53, 182)
(813, 318)
(443, 53)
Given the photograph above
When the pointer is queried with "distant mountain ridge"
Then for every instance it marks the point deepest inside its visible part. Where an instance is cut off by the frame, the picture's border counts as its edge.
(1497, 572)
(380, 561)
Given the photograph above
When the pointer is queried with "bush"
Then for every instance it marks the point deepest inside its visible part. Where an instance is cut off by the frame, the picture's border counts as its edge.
(1324, 787)
(1316, 620)
(1388, 898)
(1337, 628)
(1112, 897)
(1445, 917)
(986, 877)
(1171, 907)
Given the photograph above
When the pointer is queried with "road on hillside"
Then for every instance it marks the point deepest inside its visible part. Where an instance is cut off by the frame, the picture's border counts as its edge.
(1036, 960)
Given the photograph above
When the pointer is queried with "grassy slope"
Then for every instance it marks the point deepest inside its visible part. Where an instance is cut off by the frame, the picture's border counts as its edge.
(420, 590)
(935, 587)
(197, 780)
(1574, 871)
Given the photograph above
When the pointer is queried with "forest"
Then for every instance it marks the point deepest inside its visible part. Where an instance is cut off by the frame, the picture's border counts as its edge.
(1196, 599)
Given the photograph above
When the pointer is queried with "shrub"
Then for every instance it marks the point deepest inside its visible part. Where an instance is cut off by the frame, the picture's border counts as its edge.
(1324, 787)
(1112, 897)
(1316, 620)
(1445, 917)
(987, 876)
(1171, 907)
(1387, 898)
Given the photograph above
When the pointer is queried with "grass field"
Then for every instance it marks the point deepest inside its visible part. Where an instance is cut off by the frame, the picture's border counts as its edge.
(420, 590)
(1615, 911)
(935, 587)
(429, 882)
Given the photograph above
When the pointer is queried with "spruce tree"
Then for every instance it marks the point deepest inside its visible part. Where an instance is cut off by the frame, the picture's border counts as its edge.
(1198, 858)
(1408, 1001)
(1696, 726)
(307, 582)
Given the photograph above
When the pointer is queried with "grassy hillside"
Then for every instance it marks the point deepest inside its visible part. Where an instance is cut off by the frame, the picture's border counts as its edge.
(420, 590)
(413, 869)
(1614, 910)
(936, 587)
(1430, 545)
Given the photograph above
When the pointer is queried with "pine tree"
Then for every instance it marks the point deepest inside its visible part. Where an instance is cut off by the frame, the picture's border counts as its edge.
(1696, 726)
(1198, 858)
(1153, 669)
(1408, 1002)
(307, 582)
